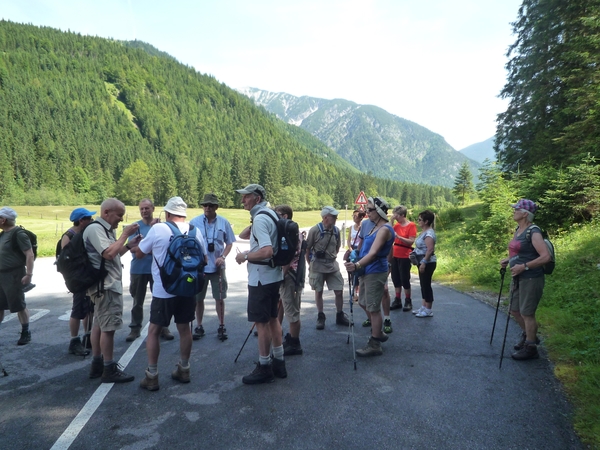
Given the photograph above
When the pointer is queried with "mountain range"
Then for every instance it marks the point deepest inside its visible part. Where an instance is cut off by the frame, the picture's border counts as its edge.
(480, 151)
(369, 138)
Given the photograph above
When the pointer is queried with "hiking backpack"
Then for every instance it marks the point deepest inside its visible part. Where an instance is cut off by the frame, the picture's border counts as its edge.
(58, 249)
(288, 236)
(336, 233)
(182, 272)
(32, 238)
(549, 266)
(75, 266)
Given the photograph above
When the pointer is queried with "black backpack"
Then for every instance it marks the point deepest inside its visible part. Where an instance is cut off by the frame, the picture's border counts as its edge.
(32, 238)
(550, 265)
(288, 234)
(75, 266)
(59, 245)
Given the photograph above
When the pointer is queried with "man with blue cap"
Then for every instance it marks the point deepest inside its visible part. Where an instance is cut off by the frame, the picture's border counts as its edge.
(81, 218)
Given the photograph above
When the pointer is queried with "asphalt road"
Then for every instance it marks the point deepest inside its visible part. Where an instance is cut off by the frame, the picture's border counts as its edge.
(437, 385)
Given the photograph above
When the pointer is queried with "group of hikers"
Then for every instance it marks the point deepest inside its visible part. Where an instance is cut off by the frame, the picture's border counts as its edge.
(379, 243)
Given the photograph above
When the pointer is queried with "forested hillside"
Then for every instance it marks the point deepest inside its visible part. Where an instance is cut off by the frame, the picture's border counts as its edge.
(83, 118)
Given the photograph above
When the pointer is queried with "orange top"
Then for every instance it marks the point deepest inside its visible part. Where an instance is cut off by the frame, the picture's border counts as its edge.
(401, 250)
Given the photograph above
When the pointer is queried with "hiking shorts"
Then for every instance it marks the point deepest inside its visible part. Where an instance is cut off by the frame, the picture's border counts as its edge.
(334, 280)
(81, 305)
(526, 295)
(181, 309)
(215, 286)
(263, 301)
(290, 298)
(108, 311)
(11, 290)
(371, 289)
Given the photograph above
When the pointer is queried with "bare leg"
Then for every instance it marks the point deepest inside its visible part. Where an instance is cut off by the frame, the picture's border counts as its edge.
(153, 343)
(185, 341)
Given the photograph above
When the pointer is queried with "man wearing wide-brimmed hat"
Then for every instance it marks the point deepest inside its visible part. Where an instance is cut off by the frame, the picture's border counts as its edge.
(219, 238)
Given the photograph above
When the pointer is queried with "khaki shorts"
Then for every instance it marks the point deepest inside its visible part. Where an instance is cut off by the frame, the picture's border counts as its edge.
(291, 302)
(215, 286)
(108, 311)
(526, 297)
(334, 280)
(371, 289)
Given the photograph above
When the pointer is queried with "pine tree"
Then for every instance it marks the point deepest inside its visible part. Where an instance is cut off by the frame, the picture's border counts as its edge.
(463, 185)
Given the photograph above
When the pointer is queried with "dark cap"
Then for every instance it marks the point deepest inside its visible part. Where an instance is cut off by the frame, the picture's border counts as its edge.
(210, 199)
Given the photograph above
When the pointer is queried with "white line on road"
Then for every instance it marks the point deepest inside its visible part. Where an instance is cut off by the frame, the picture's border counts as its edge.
(75, 427)
(32, 318)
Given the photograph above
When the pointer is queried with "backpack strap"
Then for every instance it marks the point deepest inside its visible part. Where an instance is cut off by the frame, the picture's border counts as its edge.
(270, 261)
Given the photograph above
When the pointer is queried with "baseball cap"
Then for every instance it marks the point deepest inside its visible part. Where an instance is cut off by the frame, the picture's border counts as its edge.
(80, 213)
(8, 213)
(176, 206)
(527, 205)
(329, 210)
(253, 189)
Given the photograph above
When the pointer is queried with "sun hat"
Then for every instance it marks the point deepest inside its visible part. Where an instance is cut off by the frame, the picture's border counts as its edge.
(8, 213)
(527, 205)
(329, 210)
(381, 206)
(80, 213)
(253, 189)
(210, 199)
(176, 206)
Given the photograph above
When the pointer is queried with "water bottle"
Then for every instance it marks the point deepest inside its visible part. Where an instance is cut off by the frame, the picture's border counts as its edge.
(284, 244)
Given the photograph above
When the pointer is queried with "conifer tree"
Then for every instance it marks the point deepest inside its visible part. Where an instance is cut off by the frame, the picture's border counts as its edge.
(463, 184)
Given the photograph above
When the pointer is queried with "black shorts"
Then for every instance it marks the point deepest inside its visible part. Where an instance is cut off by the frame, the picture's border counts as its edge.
(11, 290)
(263, 301)
(401, 272)
(81, 305)
(182, 309)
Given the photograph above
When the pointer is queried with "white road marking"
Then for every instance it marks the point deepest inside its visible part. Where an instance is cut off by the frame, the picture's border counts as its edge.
(75, 427)
(32, 318)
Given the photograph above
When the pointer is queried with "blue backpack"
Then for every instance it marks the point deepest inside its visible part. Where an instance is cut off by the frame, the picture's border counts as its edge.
(182, 272)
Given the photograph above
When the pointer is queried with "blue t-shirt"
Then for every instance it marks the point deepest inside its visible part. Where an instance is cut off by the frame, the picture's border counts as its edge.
(380, 265)
(144, 265)
(219, 233)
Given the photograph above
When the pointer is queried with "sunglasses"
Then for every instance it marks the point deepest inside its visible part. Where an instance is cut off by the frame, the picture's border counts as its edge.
(209, 205)
(371, 209)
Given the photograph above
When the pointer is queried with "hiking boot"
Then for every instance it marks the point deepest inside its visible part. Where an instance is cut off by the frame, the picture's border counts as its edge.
(25, 338)
(133, 335)
(383, 338)
(87, 341)
(387, 326)
(341, 319)
(76, 348)
(222, 332)
(396, 304)
(291, 346)
(373, 348)
(261, 374)
(366, 323)
(97, 368)
(181, 374)
(198, 332)
(407, 305)
(150, 381)
(320, 321)
(519, 345)
(28, 287)
(165, 333)
(529, 351)
(424, 313)
(113, 373)
(279, 368)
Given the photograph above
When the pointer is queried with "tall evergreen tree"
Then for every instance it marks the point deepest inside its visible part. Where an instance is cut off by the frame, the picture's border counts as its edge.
(463, 184)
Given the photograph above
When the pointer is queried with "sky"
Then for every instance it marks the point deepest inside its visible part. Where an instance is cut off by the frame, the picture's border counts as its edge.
(438, 63)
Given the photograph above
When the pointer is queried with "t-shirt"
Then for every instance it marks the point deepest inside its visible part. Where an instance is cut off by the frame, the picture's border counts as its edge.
(217, 232)
(421, 245)
(98, 238)
(263, 234)
(157, 242)
(144, 265)
(10, 257)
(327, 243)
(521, 251)
(401, 250)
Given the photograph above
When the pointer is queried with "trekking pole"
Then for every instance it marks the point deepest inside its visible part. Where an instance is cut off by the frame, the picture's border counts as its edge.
(351, 324)
(223, 336)
(502, 273)
(244, 344)
(515, 282)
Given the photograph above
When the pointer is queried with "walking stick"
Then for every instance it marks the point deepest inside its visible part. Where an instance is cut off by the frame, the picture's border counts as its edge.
(502, 273)
(244, 344)
(223, 335)
(351, 323)
(514, 285)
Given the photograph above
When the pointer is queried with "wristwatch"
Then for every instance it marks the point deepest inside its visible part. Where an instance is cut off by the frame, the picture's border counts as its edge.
(526, 268)
(246, 257)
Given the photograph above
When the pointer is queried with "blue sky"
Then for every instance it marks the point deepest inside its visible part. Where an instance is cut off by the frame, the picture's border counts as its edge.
(437, 63)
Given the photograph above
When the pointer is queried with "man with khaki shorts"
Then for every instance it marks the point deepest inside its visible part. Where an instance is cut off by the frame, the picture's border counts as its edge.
(323, 245)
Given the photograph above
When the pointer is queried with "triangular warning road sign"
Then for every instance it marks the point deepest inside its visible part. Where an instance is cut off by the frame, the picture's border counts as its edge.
(361, 199)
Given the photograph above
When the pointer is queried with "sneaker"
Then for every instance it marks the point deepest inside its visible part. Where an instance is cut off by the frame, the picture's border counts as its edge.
(133, 335)
(150, 381)
(291, 346)
(373, 348)
(113, 373)
(198, 332)
(387, 326)
(28, 287)
(417, 311)
(25, 338)
(261, 374)
(529, 351)
(320, 321)
(396, 304)
(407, 305)
(279, 368)
(425, 313)
(519, 345)
(97, 368)
(222, 332)
(180, 374)
(165, 333)
(76, 348)
(341, 319)
(366, 323)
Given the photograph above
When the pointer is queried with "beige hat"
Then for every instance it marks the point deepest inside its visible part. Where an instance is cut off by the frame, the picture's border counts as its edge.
(254, 189)
(176, 206)
(329, 210)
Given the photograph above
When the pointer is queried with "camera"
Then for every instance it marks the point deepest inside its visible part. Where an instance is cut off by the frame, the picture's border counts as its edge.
(211, 247)
(321, 254)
